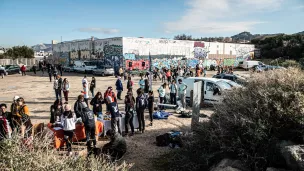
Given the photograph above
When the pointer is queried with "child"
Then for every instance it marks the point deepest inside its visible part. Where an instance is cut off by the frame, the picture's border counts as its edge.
(68, 121)
(151, 106)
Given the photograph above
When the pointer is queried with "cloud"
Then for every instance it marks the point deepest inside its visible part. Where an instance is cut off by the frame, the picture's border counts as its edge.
(218, 16)
(98, 30)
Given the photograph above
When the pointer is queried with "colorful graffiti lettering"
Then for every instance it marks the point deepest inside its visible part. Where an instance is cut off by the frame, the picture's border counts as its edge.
(199, 44)
(200, 52)
(113, 56)
(129, 56)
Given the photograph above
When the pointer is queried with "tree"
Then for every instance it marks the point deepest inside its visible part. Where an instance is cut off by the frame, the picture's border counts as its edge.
(19, 52)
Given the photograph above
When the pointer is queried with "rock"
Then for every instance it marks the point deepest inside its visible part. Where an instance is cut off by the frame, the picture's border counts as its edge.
(294, 156)
(230, 165)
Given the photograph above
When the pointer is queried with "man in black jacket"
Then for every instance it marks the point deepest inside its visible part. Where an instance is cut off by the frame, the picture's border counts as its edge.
(89, 124)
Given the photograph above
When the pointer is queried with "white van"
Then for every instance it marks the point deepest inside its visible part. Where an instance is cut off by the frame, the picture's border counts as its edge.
(249, 64)
(84, 66)
(210, 88)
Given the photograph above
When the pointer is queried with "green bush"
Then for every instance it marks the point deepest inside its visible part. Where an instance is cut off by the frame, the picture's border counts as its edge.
(248, 125)
(16, 155)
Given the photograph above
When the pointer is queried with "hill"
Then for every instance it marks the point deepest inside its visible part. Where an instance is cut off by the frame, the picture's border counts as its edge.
(42, 47)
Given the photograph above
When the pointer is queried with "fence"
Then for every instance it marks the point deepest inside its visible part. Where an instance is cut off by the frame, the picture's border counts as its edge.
(24, 61)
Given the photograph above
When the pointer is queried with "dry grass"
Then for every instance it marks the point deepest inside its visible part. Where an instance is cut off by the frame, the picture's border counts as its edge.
(249, 124)
(40, 155)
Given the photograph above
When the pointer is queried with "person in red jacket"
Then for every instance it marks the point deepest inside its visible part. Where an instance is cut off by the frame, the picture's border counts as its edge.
(23, 69)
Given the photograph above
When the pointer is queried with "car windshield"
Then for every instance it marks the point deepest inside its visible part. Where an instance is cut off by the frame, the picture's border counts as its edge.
(223, 85)
(90, 63)
(7, 66)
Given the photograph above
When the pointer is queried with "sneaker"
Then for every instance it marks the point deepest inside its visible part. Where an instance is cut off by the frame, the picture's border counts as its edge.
(131, 134)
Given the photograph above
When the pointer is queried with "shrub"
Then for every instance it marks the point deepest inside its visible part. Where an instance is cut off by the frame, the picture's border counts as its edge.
(290, 63)
(249, 124)
(15, 155)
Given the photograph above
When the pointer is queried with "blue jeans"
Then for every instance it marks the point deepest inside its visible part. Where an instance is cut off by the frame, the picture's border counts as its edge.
(58, 94)
(92, 91)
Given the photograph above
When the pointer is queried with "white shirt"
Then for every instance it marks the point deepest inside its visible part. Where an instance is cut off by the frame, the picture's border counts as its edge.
(68, 124)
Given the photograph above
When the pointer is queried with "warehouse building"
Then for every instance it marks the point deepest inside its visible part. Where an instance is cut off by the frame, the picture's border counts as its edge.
(131, 51)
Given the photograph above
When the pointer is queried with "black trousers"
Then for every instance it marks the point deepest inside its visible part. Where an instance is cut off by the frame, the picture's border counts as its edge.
(173, 98)
(161, 100)
(90, 136)
(151, 114)
(141, 119)
(23, 73)
(119, 94)
(50, 75)
(68, 137)
(129, 121)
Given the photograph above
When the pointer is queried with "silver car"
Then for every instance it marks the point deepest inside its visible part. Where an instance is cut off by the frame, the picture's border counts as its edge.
(103, 70)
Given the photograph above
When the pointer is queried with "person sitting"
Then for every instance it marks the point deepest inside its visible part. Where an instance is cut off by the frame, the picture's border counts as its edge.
(117, 146)
(22, 117)
(56, 111)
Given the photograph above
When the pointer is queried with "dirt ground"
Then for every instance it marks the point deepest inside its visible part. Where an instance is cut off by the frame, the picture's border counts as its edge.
(39, 95)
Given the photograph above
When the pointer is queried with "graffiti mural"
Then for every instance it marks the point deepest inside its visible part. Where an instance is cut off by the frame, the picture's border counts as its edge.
(129, 56)
(113, 56)
(199, 50)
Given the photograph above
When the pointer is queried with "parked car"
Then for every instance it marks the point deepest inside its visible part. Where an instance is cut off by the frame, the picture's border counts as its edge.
(236, 78)
(103, 70)
(84, 66)
(249, 64)
(260, 68)
(12, 69)
(232, 83)
(69, 68)
(212, 88)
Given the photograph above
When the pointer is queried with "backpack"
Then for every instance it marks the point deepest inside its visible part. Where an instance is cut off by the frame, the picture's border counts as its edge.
(142, 102)
(88, 118)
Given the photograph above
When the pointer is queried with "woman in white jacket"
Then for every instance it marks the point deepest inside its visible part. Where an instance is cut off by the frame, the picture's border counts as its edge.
(68, 121)
(66, 88)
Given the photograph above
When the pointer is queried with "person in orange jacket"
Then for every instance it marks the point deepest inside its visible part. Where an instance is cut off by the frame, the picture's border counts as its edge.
(22, 117)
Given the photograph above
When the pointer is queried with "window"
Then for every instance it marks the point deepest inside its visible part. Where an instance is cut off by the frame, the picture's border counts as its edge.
(209, 86)
(228, 78)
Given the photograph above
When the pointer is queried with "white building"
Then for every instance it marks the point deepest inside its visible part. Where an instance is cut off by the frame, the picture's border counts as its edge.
(164, 52)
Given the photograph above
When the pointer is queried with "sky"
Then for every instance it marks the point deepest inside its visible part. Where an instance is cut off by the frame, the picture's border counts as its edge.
(30, 22)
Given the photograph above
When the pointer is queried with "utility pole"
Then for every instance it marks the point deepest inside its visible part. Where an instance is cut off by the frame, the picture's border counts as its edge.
(196, 105)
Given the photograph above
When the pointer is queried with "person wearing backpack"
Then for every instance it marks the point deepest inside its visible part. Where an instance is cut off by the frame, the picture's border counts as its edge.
(151, 106)
(173, 92)
(89, 124)
(68, 121)
(115, 115)
(141, 104)
(129, 109)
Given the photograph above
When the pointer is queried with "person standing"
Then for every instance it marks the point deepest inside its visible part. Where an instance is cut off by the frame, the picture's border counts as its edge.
(120, 71)
(93, 86)
(146, 88)
(90, 129)
(5, 122)
(49, 68)
(55, 71)
(66, 89)
(115, 115)
(182, 89)
(56, 112)
(151, 106)
(141, 83)
(97, 102)
(60, 68)
(162, 93)
(55, 86)
(109, 92)
(86, 92)
(168, 75)
(23, 69)
(119, 87)
(141, 104)
(173, 92)
(34, 69)
(79, 106)
(163, 74)
(129, 109)
(68, 121)
(129, 84)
